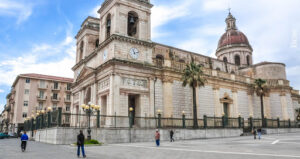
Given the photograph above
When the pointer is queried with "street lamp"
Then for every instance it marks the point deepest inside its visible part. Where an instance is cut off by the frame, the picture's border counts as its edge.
(90, 109)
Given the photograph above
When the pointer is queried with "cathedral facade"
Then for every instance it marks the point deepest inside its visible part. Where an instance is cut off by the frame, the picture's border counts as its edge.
(118, 67)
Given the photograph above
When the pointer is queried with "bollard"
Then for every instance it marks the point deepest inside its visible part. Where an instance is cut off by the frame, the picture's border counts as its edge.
(205, 121)
(183, 120)
(98, 118)
(159, 121)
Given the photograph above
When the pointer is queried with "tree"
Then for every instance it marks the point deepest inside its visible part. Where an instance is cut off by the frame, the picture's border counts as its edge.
(261, 90)
(193, 76)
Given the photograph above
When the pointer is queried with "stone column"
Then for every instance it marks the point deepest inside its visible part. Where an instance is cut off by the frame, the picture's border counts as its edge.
(218, 107)
(235, 109)
(168, 98)
(267, 108)
(110, 104)
(250, 103)
(151, 98)
(283, 102)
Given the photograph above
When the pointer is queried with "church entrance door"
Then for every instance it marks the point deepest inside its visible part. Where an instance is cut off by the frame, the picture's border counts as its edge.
(226, 113)
(133, 103)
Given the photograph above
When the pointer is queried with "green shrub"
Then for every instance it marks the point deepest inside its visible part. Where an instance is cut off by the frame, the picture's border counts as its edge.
(92, 141)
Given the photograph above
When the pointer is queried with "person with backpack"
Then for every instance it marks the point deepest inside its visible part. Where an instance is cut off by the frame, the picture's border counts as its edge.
(24, 139)
(80, 144)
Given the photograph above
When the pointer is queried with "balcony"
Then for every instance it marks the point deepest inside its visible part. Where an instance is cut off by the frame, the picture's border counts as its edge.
(55, 88)
(42, 87)
(57, 99)
(67, 100)
(41, 98)
(68, 89)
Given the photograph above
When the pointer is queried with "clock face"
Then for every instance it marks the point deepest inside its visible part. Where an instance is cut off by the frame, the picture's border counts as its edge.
(104, 55)
(134, 53)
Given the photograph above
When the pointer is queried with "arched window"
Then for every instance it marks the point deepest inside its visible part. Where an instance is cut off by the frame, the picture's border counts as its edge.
(237, 60)
(225, 59)
(218, 69)
(108, 26)
(81, 51)
(159, 60)
(132, 23)
(232, 72)
(248, 60)
(97, 43)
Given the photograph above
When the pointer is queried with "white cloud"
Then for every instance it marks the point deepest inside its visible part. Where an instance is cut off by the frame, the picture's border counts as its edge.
(1, 90)
(94, 11)
(34, 61)
(19, 9)
(162, 14)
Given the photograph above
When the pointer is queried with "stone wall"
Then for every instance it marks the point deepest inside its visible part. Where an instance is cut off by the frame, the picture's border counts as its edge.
(182, 100)
(275, 105)
(69, 135)
(243, 107)
(206, 103)
(282, 131)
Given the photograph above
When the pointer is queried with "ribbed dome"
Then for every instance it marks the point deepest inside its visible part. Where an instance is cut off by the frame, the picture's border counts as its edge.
(233, 37)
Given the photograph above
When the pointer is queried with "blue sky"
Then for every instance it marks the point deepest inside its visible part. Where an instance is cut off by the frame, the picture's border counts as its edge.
(38, 36)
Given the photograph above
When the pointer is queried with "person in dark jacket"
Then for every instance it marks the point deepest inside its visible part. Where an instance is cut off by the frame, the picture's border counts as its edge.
(80, 143)
(259, 133)
(171, 136)
(254, 132)
(24, 139)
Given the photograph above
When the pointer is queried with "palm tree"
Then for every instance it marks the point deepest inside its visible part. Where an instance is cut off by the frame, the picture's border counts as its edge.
(193, 76)
(260, 90)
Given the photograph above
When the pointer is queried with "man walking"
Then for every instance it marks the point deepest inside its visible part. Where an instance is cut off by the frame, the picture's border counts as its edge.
(157, 137)
(80, 143)
(254, 132)
(24, 139)
(259, 133)
(171, 135)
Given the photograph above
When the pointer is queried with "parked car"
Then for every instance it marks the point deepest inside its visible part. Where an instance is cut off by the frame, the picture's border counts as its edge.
(13, 135)
(3, 136)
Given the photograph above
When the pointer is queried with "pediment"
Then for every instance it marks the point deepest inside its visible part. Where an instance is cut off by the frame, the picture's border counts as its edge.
(85, 71)
(226, 99)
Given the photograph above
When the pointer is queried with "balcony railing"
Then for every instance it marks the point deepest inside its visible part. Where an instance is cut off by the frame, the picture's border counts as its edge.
(55, 99)
(67, 100)
(42, 98)
(42, 86)
(55, 88)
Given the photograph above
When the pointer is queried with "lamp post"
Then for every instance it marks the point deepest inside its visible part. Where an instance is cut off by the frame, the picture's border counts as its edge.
(89, 110)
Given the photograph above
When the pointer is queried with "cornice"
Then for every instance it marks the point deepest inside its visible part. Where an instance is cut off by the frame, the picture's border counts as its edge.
(107, 41)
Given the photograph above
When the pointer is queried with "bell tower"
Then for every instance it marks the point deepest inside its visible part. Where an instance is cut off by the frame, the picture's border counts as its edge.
(129, 18)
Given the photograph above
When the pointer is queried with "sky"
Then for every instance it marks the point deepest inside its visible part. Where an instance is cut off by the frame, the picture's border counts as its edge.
(38, 36)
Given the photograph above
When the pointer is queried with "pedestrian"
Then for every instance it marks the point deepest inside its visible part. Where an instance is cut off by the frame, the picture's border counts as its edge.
(254, 133)
(259, 133)
(24, 139)
(80, 143)
(171, 136)
(157, 137)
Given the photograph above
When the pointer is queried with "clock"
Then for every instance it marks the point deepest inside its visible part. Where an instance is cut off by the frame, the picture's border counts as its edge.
(104, 55)
(134, 53)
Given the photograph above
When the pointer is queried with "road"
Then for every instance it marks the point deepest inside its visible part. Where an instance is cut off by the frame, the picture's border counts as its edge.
(269, 147)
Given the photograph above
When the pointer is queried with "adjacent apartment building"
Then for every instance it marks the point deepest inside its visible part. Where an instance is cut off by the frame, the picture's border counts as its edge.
(33, 92)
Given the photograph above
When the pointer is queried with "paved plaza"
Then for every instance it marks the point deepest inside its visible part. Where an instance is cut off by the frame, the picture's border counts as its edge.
(270, 147)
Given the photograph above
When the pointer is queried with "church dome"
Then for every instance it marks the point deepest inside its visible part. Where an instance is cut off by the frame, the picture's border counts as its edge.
(231, 37)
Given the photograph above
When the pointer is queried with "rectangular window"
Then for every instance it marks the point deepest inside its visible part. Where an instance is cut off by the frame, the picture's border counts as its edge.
(40, 105)
(55, 85)
(41, 95)
(27, 80)
(69, 86)
(24, 115)
(68, 96)
(54, 106)
(54, 95)
(67, 119)
(68, 107)
(42, 84)
(26, 91)
(25, 103)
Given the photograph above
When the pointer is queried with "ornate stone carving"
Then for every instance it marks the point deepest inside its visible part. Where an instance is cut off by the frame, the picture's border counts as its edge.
(134, 82)
(103, 84)
(226, 99)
